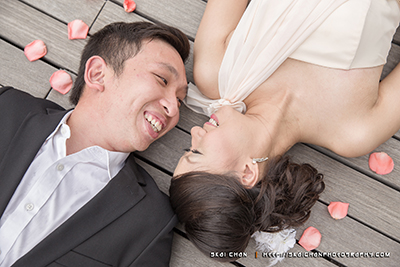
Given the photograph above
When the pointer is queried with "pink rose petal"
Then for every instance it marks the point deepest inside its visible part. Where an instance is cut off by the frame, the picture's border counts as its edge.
(310, 239)
(381, 163)
(129, 5)
(61, 81)
(77, 29)
(35, 50)
(338, 210)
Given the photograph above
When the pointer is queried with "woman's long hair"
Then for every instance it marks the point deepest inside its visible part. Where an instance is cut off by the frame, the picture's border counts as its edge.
(220, 214)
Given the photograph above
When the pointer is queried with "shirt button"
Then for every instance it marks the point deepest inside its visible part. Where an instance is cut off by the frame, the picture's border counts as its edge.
(29, 206)
(64, 131)
(60, 167)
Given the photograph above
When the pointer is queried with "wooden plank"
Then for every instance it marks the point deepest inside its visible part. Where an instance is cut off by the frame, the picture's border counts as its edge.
(189, 119)
(300, 259)
(112, 12)
(183, 14)
(19, 72)
(115, 13)
(371, 202)
(21, 24)
(392, 60)
(67, 11)
(391, 147)
(348, 235)
(166, 151)
(396, 37)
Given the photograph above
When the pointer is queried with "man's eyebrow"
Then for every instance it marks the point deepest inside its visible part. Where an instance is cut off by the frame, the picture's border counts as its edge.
(169, 67)
(174, 72)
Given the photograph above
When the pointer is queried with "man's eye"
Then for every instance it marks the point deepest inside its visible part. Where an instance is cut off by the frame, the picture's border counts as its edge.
(163, 80)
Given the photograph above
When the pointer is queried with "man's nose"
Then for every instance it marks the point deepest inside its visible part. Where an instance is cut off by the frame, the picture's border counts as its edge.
(170, 106)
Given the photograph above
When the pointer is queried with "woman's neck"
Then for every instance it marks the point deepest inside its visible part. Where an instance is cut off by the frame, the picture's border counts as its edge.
(277, 129)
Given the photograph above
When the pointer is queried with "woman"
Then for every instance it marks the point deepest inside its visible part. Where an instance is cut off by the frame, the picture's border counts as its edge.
(298, 71)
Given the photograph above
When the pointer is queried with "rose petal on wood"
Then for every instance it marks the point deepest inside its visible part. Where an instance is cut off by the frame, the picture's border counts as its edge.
(35, 50)
(381, 163)
(61, 81)
(310, 239)
(338, 210)
(77, 29)
(129, 5)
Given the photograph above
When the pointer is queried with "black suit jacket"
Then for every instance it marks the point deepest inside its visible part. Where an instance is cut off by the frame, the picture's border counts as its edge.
(128, 223)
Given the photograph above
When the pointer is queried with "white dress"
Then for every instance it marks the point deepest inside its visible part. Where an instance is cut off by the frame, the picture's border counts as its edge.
(342, 34)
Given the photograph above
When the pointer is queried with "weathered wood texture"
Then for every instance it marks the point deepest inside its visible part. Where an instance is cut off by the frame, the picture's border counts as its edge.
(374, 215)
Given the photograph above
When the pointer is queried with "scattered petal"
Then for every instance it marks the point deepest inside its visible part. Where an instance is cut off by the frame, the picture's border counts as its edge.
(310, 239)
(35, 50)
(338, 210)
(129, 5)
(77, 29)
(61, 81)
(381, 163)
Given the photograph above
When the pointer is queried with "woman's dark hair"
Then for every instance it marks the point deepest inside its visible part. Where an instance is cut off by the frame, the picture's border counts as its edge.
(220, 214)
(117, 42)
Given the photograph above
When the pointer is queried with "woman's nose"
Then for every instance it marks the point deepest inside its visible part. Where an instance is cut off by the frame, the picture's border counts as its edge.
(197, 133)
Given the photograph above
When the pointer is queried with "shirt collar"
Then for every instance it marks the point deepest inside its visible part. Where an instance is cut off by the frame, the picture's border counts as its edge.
(62, 122)
(114, 161)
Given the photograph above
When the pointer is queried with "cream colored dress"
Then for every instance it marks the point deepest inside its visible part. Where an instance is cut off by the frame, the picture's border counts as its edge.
(341, 34)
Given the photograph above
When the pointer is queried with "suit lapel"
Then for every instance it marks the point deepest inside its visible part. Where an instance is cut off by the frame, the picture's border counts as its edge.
(121, 194)
(22, 150)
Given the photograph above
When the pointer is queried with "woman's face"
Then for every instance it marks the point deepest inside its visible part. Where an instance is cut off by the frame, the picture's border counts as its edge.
(218, 149)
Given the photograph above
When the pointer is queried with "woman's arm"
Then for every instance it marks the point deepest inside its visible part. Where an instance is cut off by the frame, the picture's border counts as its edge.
(383, 121)
(386, 114)
(218, 23)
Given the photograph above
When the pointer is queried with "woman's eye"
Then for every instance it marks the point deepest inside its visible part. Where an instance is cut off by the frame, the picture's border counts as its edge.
(180, 102)
(194, 151)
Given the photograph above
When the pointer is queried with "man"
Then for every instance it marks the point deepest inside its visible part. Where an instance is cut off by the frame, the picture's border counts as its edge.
(70, 192)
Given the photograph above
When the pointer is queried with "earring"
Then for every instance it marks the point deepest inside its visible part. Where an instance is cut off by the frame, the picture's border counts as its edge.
(255, 160)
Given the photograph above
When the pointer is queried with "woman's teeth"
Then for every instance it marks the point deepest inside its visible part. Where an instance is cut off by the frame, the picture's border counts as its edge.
(213, 122)
(156, 125)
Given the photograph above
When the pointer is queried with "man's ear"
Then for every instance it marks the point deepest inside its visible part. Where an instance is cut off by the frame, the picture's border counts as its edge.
(95, 72)
(250, 175)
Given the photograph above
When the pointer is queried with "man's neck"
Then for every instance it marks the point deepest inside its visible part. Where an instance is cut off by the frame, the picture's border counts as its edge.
(82, 132)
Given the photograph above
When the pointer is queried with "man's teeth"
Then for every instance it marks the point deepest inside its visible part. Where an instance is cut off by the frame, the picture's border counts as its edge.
(213, 122)
(156, 125)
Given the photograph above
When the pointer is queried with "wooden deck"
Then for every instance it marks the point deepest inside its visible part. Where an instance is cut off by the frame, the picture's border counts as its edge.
(373, 222)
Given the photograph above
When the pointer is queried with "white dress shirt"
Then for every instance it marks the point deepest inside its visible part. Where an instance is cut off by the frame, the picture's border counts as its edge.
(54, 187)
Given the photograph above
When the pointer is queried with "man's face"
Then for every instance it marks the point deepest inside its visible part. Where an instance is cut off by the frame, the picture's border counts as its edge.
(142, 104)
